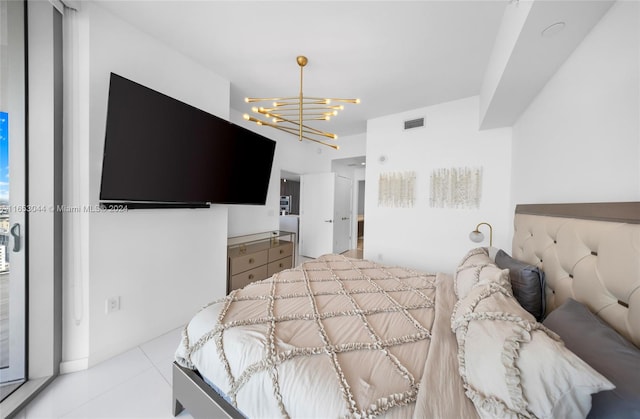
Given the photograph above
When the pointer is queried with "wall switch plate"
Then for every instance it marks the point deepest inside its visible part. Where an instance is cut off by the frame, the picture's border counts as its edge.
(112, 304)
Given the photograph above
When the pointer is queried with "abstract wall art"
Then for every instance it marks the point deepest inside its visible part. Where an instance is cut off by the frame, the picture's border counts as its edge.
(397, 189)
(456, 188)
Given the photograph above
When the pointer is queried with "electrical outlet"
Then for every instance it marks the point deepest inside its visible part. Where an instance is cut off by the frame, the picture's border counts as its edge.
(112, 304)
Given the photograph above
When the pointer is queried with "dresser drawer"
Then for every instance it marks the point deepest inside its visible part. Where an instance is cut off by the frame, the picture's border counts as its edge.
(244, 278)
(243, 263)
(279, 265)
(280, 252)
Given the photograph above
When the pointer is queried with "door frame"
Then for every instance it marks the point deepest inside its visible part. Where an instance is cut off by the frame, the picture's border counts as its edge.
(17, 209)
(336, 229)
(311, 197)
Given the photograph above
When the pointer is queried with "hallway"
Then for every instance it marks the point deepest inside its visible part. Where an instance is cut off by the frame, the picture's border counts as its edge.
(358, 252)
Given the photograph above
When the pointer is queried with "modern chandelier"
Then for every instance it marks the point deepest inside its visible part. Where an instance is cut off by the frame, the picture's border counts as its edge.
(290, 114)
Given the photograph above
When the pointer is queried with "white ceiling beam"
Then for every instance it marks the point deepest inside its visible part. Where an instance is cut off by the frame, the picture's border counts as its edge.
(523, 59)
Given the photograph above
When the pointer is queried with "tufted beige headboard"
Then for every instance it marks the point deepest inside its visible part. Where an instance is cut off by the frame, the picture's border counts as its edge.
(589, 252)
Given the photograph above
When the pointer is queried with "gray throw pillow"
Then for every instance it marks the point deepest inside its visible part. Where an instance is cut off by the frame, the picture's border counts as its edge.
(527, 282)
(609, 353)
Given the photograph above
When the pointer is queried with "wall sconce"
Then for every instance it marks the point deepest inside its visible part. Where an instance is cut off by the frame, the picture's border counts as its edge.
(476, 236)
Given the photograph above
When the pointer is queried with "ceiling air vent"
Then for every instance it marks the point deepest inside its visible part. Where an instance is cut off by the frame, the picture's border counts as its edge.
(414, 123)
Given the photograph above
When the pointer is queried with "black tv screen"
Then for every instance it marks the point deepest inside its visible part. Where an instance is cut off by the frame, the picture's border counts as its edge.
(161, 150)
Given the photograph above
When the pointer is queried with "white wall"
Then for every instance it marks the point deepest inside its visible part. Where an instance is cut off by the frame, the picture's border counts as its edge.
(428, 238)
(579, 140)
(164, 264)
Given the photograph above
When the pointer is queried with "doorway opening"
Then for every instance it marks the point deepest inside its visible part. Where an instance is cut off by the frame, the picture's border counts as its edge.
(355, 168)
(360, 230)
(327, 209)
(289, 210)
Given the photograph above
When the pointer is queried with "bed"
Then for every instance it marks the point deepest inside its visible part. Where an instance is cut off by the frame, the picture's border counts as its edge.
(341, 337)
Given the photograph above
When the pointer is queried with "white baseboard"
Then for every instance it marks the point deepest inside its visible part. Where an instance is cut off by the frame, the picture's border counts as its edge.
(67, 367)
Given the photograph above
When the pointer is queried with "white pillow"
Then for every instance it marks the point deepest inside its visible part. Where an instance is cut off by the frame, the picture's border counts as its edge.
(477, 267)
(513, 366)
(475, 256)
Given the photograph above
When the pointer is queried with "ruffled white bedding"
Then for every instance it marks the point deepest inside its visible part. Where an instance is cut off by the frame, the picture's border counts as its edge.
(335, 337)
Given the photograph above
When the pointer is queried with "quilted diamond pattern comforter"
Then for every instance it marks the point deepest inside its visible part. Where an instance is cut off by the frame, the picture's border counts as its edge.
(334, 337)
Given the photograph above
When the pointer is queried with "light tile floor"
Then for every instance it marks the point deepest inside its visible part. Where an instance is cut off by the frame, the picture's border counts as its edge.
(135, 384)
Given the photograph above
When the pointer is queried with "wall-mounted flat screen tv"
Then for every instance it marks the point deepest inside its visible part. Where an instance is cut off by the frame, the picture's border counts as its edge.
(159, 150)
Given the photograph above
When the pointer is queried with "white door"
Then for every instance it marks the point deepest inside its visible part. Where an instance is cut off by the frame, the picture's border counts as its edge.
(12, 194)
(316, 214)
(325, 214)
(342, 222)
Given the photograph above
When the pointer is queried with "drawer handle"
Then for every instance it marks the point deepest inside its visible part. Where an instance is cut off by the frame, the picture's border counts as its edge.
(251, 276)
(251, 260)
(281, 265)
(281, 251)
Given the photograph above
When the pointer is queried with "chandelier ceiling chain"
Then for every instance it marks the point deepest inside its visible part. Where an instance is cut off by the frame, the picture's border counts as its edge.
(289, 114)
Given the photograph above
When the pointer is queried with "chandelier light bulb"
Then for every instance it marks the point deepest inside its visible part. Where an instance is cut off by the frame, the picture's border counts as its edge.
(291, 113)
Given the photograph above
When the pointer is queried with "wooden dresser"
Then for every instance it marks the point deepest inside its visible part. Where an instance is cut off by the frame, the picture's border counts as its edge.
(258, 256)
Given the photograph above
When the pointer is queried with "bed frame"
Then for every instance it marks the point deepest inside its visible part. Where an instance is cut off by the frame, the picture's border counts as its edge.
(190, 391)
(589, 252)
